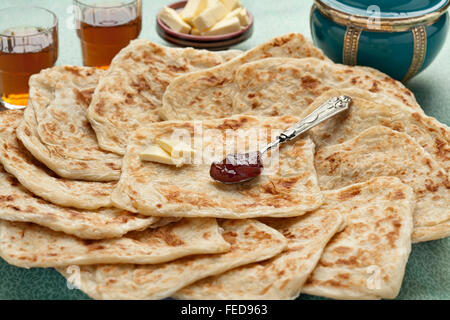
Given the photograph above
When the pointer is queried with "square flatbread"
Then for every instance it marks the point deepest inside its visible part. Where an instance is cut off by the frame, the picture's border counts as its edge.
(364, 113)
(64, 140)
(209, 94)
(281, 277)
(250, 241)
(285, 86)
(18, 204)
(129, 94)
(30, 246)
(367, 259)
(380, 151)
(37, 178)
(151, 188)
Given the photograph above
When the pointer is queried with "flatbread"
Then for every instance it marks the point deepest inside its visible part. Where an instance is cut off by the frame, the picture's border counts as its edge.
(65, 141)
(285, 86)
(18, 204)
(28, 245)
(37, 178)
(250, 241)
(209, 94)
(367, 260)
(432, 135)
(155, 189)
(380, 151)
(281, 277)
(129, 94)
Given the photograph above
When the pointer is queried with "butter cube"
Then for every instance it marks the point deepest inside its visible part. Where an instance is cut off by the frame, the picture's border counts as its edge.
(195, 32)
(155, 153)
(173, 20)
(241, 14)
(224, 27)
(192, 9)
(215, 12)
(177, 149)
(231, 4)
(244, 19)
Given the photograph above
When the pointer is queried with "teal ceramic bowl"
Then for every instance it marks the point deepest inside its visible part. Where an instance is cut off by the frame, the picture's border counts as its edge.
(399, 37)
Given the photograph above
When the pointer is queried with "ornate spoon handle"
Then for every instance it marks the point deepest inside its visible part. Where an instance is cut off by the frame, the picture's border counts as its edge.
(329, 109)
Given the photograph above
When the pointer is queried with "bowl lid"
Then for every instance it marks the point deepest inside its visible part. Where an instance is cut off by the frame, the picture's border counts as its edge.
(387, 9)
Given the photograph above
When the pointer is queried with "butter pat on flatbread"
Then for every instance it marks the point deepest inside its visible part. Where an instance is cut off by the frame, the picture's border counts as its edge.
(155, 189)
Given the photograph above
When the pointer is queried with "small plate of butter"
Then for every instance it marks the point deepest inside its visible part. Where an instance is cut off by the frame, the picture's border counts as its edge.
(205, 24)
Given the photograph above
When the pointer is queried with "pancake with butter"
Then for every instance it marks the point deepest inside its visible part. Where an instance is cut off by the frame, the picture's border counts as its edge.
(287, 188)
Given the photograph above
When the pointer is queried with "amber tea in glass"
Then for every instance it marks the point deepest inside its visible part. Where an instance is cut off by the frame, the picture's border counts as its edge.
(105, 28)
(28, 44)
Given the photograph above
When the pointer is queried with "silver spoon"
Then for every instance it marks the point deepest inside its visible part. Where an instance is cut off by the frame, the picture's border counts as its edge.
(239, 168)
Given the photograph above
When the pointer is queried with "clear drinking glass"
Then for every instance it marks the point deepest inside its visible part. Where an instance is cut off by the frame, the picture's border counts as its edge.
(28, 44)
(105, 28)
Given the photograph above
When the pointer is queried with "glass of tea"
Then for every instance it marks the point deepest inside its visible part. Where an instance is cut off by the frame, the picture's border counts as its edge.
(105, 28)
(28, 44)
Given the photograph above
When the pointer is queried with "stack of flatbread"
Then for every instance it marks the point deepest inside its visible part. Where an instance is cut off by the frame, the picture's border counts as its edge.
(334, 213)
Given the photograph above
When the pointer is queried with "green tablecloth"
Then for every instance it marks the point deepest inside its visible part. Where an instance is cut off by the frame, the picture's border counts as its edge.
(428, 270)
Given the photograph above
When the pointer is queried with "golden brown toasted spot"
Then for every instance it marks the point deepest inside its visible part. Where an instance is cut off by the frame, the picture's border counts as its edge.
(375, 87)
(95, 247)
(195, 199)
(284, 284)
(74, 70)
(344, 276)
(230, 236)
(100, 108)
(15, 208)
(269, 188)
(399, 195)
(264, 291)
(349, 193)
(27, 131)
(394, 235)
(171, 239)
(129, 99)
(342, 250)
(8, 198)
(352, 261)
(309, 83)
(233, 124)
(178, 69)
(430, 186)
(83, 97)
(442, 151)
(141, 84)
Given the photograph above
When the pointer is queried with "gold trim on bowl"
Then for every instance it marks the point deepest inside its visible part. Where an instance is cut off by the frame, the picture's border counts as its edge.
(351, 46)
(382, 24)
(420, 50)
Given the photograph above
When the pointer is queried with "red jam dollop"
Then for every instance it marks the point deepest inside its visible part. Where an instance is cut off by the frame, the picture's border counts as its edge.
(236, 168)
